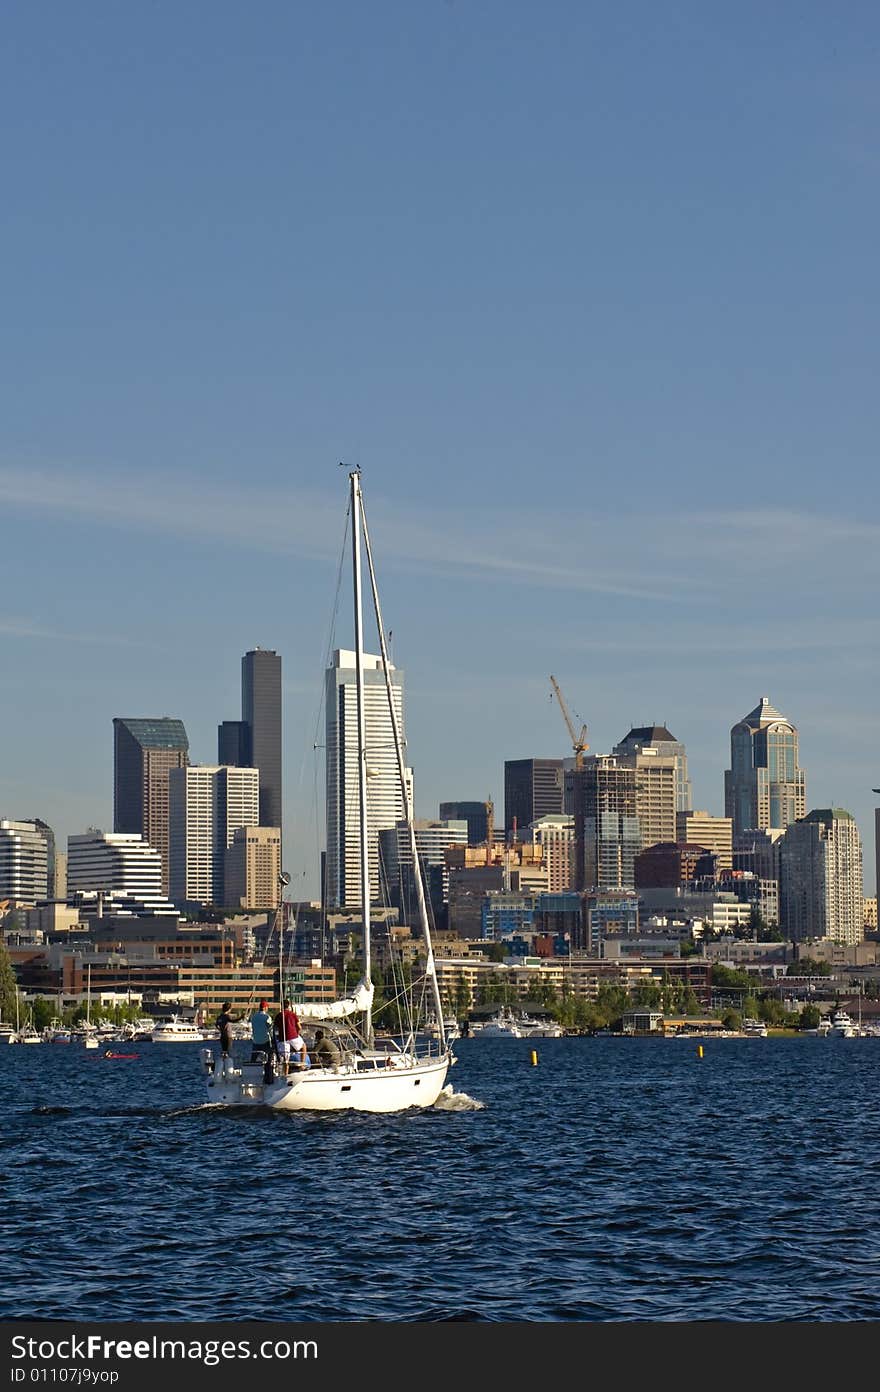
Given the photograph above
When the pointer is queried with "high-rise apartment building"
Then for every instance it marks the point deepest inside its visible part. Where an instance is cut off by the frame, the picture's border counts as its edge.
(144, 752)
(556, 837)
(207, 805)
(480, 818)
(714, 833)
(122, 867)
(757, 852)
(533, 788)
(24, 857)
(606, 826)
(655, 793)
(384, 796)
(48, 836)
(253, 868)
(764, 786)
(657, 739)
(261, 714)
(820, 878)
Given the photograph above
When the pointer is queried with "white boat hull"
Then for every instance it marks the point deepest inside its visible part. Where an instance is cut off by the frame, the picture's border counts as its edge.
(348, 1089)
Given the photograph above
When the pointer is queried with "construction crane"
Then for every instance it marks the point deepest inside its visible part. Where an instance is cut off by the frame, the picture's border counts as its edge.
(578, 742)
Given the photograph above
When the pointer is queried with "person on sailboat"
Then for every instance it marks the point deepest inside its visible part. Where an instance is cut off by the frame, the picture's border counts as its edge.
(225, 1021)
(261, 1032)
(288, 1039)
(326, 1050)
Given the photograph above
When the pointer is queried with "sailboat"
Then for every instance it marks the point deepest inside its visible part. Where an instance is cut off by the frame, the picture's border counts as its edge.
(26, 1034)
(367, 1074)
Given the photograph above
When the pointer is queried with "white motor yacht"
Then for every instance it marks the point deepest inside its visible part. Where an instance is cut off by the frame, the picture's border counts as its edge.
(843, 1026)
(177, 1031)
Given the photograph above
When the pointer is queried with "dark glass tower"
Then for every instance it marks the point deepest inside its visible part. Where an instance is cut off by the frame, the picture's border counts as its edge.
(144, 750)
(478, 816)
(232, 742)
(261, 715)
(533, 788)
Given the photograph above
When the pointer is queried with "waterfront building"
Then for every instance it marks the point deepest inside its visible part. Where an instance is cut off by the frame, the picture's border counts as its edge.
(144, 752)
(384, 797)
(533, 788)
(701, 829)
(505, 912)
(606, 825)
(555, 835)
(608, 914)
(869, 913)
(207, 805)
(261, 716)
(764, 786)
(115, 869)
(252, 878)
(820, 878)
(656, 739)
(24, 862)
(480, 818)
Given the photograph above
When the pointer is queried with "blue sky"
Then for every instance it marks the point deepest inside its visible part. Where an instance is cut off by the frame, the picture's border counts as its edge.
(589, 291)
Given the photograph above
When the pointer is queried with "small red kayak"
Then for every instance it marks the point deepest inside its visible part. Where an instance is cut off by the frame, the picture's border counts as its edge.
(108, 1053)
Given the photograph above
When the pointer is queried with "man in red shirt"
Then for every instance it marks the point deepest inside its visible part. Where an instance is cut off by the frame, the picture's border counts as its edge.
(288, 1039)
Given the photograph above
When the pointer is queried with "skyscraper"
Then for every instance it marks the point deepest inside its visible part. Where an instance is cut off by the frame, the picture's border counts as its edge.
(144, 751)
(232, 743)
(533, 788)
(655, 792)
(764, 786)
(261, 714)
(607, 836)
(820, 878)
(664, 744)
(125, 868)
(384, 797)
(23, 862)
(48, 836)
(207, 805)
(478, 815)
(253, 868)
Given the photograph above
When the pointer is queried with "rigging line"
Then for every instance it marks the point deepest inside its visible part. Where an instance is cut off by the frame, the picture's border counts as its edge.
(405, 792)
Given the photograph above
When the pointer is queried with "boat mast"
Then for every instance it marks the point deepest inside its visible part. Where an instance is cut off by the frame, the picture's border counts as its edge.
(407, 806)
(354, 477)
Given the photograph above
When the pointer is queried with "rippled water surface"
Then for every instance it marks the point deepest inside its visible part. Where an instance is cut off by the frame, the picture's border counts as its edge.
(615, 1180)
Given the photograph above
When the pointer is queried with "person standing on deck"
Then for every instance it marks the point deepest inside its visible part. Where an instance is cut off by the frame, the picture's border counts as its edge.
(288, 1038)
(261, 1032)
(225, 1021)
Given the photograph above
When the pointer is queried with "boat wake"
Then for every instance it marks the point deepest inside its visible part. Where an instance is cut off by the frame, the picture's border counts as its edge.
(450, 1101)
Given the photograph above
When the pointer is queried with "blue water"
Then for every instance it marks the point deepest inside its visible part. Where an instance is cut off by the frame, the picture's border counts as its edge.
(616, 1180)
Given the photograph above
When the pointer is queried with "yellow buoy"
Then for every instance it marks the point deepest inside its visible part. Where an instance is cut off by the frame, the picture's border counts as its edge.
(700, 1051)
(534, 1058)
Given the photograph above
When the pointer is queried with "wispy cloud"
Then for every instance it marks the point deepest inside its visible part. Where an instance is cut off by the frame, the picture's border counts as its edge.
(686, 559)
(28, 628)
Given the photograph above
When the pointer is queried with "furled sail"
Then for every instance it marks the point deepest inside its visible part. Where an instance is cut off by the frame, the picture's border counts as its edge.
(361, 999)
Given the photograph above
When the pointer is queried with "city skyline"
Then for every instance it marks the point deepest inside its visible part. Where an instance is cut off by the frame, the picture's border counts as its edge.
(589, 300)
